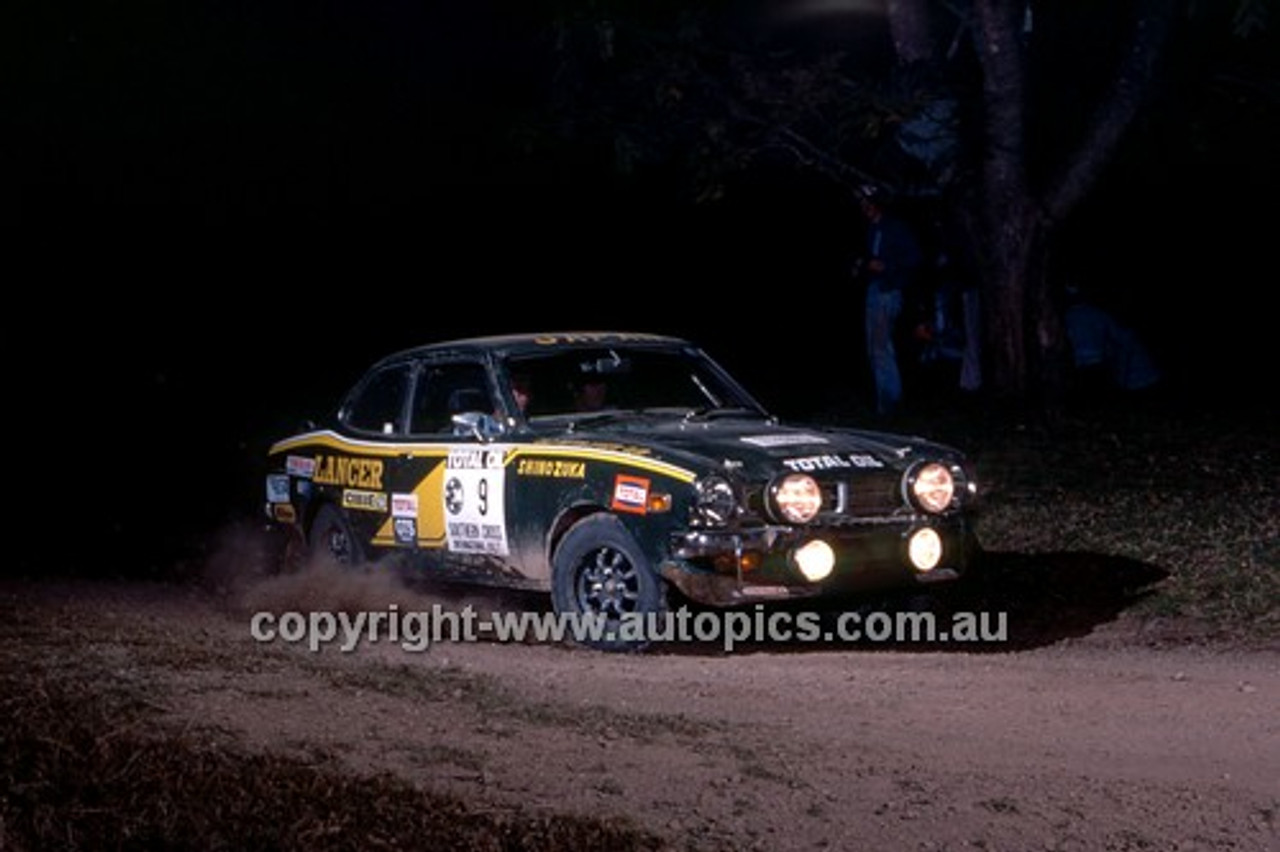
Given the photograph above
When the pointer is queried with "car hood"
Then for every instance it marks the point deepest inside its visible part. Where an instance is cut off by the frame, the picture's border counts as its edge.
(761, 448)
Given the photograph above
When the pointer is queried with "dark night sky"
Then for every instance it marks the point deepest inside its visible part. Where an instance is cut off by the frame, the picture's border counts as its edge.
(221, 212)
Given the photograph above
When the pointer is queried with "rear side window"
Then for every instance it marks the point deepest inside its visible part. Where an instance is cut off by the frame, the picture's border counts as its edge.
(379, 402)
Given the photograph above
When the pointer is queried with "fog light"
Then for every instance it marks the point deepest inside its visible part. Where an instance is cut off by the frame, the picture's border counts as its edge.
(924, 549)
(815, 559)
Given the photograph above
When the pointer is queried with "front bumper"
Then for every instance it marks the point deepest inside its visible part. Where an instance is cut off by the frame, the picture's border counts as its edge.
(723, 568)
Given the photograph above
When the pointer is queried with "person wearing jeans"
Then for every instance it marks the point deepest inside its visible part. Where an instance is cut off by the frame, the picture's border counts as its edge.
(892, 260)
(884, 306)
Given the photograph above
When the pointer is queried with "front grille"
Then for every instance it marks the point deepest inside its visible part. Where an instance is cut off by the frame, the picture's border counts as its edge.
(871, 493)
(865, 493)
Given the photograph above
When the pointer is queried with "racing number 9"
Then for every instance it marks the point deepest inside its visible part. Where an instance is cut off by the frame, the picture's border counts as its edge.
(473, 498)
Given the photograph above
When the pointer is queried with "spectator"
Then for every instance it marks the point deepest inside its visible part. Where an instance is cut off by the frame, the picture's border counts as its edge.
(1100, 344)
(893, 257)
(957, 319)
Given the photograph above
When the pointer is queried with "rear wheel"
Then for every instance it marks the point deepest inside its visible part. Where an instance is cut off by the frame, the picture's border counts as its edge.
(293, 553)
(600, 573)
(331, 537)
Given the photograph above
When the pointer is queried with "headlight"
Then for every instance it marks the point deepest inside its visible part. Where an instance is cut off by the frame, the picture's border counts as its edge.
(797, 498)
(715, 501)
(931, 487)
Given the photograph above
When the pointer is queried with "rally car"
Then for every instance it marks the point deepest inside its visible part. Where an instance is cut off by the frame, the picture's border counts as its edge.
(608, 469)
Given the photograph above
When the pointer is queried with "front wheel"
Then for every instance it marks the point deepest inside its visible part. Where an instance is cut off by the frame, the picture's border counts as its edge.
(600, 574)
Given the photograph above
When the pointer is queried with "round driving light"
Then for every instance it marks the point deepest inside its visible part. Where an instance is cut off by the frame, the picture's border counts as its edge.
(932, 487)
(715, 500)
(924, 549)
(815, 559)
(798, 498)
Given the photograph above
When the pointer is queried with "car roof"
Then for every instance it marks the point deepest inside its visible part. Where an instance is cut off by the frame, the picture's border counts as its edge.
(509, 344)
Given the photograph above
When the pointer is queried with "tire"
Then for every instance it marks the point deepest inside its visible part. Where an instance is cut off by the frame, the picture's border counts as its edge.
(331, 538)
(599, 570)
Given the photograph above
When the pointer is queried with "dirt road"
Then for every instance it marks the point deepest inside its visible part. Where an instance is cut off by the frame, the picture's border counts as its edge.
(1093, 742)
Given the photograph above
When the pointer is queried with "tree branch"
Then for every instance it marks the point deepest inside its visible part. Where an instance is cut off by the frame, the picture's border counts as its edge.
(809, 154)
(1154, 22)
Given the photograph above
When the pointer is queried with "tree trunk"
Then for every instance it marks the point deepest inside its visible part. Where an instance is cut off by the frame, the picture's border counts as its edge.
(1025, 335)
(1153, 23)
(1013, 238)
(1049, 349)
(1012, 222)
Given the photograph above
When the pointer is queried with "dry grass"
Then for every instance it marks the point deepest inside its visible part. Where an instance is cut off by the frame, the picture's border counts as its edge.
(1193, 493)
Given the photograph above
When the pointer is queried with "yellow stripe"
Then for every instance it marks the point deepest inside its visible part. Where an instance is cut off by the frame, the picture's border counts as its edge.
(614, 456)
(334, 441)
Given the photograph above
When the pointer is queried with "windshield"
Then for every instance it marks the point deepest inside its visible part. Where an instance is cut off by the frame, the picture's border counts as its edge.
(612, 378)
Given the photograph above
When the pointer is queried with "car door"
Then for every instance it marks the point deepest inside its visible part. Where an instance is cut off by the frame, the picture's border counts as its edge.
(453, 507)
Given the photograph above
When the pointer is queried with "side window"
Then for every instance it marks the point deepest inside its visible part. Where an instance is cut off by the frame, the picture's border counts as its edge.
(444, 390)
(378, 405)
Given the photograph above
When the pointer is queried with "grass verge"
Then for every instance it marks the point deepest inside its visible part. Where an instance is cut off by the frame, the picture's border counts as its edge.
(1195, 493)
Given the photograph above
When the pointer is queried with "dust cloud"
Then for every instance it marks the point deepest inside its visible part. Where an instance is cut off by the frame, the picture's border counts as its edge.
(249, 570)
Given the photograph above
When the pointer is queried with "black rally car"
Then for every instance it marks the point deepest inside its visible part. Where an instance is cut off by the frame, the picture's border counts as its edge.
(606, 468)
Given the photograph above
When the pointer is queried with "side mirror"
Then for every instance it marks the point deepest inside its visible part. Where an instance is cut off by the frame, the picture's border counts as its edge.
(484, 427)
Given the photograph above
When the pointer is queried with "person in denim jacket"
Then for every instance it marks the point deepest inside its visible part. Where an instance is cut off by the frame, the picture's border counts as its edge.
(893, 258)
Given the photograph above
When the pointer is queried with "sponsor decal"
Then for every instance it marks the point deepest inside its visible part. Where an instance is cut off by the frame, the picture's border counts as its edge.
(472, 459)
(300, 466)
(630, 494)
(465, 537)
(278, 488)
(349, 472)
(807, 464)
(365, 501)
(783, 440)
(284, 513)
(404, 505)
(554, 468)
(453, 496)
(592, 337)
(629, 455)
(405, 530)
(473, 499)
